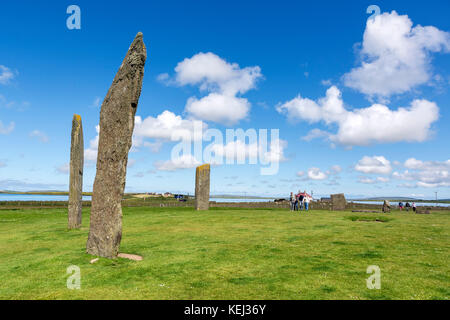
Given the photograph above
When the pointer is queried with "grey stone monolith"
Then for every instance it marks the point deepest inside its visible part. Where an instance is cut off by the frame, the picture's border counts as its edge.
(115, 139)
(202, 184)
(338, 202)
(386, 206)
(76, 174)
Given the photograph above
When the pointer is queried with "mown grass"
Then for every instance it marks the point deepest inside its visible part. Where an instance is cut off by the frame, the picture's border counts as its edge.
(229, 254)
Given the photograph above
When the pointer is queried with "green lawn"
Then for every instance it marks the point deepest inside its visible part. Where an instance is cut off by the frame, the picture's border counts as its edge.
(229, 254)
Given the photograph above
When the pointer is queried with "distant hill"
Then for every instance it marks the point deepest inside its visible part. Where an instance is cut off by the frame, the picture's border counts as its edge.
(390, 199)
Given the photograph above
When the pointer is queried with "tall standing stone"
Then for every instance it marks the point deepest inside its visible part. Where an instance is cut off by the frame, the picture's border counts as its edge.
(338, 202)
(115, 140)
(202, 182)
(76, 173)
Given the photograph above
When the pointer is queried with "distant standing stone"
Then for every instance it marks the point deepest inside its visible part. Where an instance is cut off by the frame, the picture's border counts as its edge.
(338, 202)
(423, 210)
(115, 140)
(76, 174)
(386, 206)
(202, 183)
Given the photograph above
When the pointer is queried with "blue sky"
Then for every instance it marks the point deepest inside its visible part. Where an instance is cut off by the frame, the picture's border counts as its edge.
(236, 64)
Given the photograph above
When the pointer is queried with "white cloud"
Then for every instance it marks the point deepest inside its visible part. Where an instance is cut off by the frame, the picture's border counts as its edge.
(366, 180)
(90, 154)
(427, 174)
(220, 108)
(163, 78)
(359, 127)
(6, 75)
(395, 56)
(375, 165)
(186, 161)
(316, 174)
(316, 134)
(41, 136)
(239, 150)
(212, 72)
(165, 127)
(2, 164)
(6, 129)
(63, 169)
(225, 81)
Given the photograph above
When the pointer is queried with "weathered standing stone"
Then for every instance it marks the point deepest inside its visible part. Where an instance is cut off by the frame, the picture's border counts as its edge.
(338, 202)
(202, 182)
(115, 139)
(423, 210)
(386, 206)
(76, 173)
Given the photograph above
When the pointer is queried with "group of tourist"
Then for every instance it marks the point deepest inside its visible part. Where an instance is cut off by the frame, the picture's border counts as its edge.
(407, 206)
(299, 201)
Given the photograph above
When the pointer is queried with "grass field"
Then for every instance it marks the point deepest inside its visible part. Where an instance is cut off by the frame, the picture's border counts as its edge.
(229, 254)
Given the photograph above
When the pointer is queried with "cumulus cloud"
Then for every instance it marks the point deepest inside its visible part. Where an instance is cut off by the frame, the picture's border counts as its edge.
(90, 154)
(316, 174)
(367, 180)
(395, 55)
(166, 127)
(225, 81)
(6, 75)
(428, 174)
(240, 151)
(374, 165)
(41, 136)
(360, 127)
(218, 107)
(185, 161)
(6, 129)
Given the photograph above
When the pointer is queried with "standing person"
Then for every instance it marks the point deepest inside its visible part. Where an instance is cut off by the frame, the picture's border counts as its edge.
(295, 202)
(292, 200)
(414, 206)
(300, 200)
(407, 206)
(400, 205)
(306, 200)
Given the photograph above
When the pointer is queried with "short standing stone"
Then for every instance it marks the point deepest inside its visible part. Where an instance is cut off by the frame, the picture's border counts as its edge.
(76, 174)
(423, 210)
(386, 206)
(338, 202)
(115, 139)
(202, 182)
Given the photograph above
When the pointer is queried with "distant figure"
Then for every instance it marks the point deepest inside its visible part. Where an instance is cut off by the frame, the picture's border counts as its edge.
(414, 206)
(400, 205)
(407, 206)
(292, 200)
(300, 200)
(306, 201)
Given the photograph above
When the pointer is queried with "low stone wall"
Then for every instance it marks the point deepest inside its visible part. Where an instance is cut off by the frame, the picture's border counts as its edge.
(262, 205)
(314, 205)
